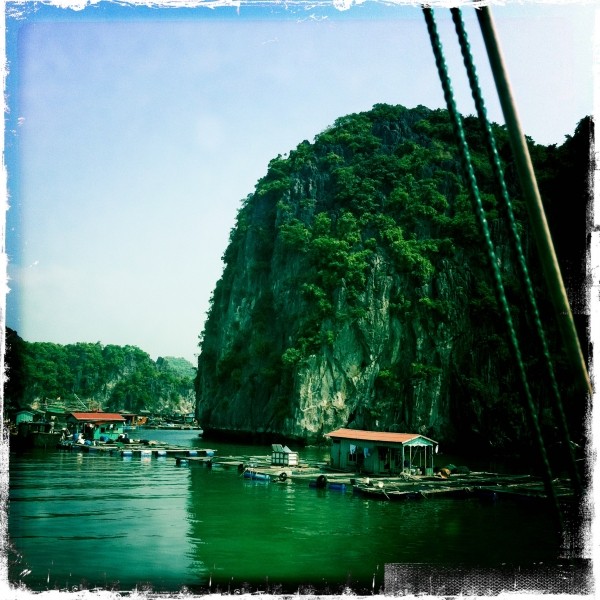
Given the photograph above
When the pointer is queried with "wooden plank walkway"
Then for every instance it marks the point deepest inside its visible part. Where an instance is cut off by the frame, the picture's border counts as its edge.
(155, 450)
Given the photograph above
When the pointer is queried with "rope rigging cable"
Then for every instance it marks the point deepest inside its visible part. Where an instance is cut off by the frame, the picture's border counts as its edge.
(504, 199)
(539, 225)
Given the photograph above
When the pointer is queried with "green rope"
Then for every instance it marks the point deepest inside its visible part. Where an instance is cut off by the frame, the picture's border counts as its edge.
(515, 238)
(480, 214)
(537, 218)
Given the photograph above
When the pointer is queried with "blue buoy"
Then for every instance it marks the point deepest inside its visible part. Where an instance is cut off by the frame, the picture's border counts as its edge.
(340, 487)
(256, 476)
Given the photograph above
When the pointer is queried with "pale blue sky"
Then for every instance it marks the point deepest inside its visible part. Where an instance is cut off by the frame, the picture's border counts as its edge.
(134, 135)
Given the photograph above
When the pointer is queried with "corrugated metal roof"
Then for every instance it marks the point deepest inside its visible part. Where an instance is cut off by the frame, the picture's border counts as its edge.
(97, 416)
(376, 436)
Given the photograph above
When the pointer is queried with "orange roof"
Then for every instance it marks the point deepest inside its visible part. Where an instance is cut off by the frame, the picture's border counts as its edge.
(376, 436)
(97, 416)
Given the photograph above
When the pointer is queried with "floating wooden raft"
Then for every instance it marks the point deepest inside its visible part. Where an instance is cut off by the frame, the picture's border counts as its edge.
(182, 460)
(533, 490)
(267, 473)
(482, 484)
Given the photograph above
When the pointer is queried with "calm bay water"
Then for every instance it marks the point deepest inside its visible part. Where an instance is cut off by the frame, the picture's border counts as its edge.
(104, 521)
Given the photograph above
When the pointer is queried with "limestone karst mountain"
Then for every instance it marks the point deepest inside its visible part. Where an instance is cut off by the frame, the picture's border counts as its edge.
(356, 291)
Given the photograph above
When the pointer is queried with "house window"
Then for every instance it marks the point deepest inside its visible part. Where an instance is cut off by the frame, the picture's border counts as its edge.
(352, 454)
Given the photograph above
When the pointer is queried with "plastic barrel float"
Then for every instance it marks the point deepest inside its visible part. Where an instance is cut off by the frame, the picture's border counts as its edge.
(338, 487)
(256, 476)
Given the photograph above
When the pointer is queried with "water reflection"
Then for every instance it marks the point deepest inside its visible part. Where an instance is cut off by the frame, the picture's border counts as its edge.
(96, 521)
(108, 522)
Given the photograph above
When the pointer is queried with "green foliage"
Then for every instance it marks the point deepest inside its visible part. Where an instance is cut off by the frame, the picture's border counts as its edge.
(291, 357)
(116, 377)
(317, 296)
(274, 188)
(411, 256)
(295, 235)
(322, 225)
(179, 366)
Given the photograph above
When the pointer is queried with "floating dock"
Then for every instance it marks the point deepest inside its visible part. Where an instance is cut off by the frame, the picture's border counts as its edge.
(152, 450)
(480, 484)
(319, 476)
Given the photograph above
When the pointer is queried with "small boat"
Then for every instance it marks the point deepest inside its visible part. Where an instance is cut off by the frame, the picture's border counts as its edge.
(35, 435)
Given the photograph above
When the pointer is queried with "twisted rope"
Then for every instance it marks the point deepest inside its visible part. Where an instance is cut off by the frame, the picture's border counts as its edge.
(497, 277)
(504, 197)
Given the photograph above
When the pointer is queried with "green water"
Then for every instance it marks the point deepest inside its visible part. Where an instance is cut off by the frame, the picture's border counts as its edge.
(85, 520)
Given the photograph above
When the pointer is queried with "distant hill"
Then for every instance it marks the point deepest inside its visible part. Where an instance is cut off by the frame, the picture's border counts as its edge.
(110, 377)
(181, 366)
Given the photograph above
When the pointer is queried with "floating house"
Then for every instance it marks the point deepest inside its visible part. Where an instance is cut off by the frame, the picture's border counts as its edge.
(96, 425)
(381, 452)
(56, 415)
(24, 416)
(133, 420)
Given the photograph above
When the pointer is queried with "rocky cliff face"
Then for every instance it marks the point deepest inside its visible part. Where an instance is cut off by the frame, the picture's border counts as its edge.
(356, 293)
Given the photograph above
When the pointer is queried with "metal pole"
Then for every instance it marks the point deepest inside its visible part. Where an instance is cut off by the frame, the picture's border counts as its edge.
(533, 201)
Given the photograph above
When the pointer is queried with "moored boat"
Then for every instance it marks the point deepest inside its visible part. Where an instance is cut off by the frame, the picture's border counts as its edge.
(35, 435)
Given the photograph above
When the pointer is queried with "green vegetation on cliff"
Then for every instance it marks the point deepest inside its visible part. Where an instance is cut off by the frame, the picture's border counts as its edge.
(111, 377)
(356, 291)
